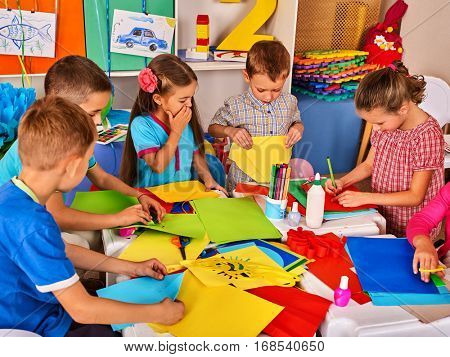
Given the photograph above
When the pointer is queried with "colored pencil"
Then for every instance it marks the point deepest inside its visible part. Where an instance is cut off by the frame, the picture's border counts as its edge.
(331, 172)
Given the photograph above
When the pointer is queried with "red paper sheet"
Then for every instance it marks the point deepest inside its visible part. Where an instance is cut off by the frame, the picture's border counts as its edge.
(260, 190)
(335, 206)
(302, 315)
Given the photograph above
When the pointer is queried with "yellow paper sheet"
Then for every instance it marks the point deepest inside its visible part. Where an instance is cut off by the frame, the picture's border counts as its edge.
(154, 244)
(182, 191)
(219, 312)
(257, 162)
(245, 268)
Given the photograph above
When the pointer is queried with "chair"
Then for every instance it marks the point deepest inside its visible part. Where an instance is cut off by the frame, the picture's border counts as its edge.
(437, 104)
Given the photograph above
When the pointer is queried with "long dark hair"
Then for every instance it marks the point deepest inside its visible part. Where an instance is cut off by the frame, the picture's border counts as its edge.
(171, 71)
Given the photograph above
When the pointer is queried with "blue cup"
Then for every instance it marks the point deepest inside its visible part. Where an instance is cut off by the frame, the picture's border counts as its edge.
(275, 209)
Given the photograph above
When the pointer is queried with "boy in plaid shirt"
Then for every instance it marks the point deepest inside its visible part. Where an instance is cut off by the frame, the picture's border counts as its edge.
(263, 110)
(406, 160)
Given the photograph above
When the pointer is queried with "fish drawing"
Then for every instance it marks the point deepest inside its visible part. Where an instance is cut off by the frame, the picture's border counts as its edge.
(19, 33)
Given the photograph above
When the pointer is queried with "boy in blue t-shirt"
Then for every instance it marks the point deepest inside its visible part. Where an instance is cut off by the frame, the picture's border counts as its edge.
(39, 288)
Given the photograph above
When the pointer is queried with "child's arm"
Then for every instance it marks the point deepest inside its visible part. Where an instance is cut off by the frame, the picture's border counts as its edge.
(202, 169)
(159, 160)
(419, 230)
(87, 309)
(86, 259)
(105, 181)
(71, 219)
(409, 198)
(359, 173)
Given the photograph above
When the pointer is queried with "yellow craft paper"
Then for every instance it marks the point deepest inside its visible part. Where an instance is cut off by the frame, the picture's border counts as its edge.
(219, 312)
(154, 244)
(182, 191)
(265, 152)
(245, 268)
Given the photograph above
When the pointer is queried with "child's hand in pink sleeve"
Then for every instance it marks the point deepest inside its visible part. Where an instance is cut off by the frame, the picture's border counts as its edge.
(425, 256)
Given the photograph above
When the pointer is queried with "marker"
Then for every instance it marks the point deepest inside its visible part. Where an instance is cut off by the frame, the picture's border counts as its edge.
(331, 172)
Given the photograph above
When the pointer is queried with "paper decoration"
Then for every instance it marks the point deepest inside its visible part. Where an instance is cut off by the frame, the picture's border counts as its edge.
(302, 315)
(234, 219)
(13, 104)
(246, 268)
(154, 244)
(219, 312)
(138, 34)
(385, 265)
(182, 191)
(265, 152)
(102, 202)
(30, 32)
(142, 291)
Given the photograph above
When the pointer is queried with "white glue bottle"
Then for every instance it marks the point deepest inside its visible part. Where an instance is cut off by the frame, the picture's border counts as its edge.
(315, 204)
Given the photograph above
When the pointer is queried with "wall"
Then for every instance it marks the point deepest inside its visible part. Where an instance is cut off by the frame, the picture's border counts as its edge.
(425, 30)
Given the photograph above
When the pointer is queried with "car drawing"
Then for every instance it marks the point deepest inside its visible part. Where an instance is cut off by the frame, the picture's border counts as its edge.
(144, 37)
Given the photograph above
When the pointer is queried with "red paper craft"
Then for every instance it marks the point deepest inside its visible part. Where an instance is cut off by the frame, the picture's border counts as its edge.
(329, 267)
(335, 206)
(306, 243)
(302, 315)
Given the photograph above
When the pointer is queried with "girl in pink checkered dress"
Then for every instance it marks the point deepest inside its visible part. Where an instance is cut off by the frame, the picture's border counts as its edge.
(406, 160)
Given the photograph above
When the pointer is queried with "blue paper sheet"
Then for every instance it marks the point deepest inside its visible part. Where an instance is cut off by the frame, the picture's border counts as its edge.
(385, 265)
(142, 291)
(384, 299)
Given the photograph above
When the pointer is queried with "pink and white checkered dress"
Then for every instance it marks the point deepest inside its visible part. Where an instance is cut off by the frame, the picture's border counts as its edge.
(400, 153)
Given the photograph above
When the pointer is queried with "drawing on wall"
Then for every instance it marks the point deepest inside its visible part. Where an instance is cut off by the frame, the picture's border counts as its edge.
(32, 33)
(138, 34)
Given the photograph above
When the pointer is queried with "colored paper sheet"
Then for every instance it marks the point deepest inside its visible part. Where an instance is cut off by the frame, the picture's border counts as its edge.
(234, 219)
(385, 265)
(182, 191)
(245, 268)
(428, 313)
(154, 244)
(330, 269)
(302, 315)
(296, 189)
(188, 225)
(265, 152)
(142, 291)
(393, 299)
(279, 253)
(260, 190)
(220, 312)
(102, 202)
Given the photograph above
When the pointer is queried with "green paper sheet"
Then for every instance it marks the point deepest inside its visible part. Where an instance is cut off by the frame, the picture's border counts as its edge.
(96, 33)
(188, 225)
(102, 202)
(234, 219)
(437, 280)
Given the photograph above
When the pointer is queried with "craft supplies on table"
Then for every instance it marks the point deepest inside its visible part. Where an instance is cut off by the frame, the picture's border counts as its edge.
(115, 133)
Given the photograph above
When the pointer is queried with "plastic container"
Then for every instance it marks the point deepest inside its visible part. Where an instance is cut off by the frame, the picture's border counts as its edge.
(342, 294)
(294, 216)
(275, 209)
(315, 204)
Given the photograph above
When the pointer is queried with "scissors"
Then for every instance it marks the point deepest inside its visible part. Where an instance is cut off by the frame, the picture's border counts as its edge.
(181, 243)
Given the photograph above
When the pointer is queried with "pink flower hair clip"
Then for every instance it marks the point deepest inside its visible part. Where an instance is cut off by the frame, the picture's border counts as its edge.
(147, 80)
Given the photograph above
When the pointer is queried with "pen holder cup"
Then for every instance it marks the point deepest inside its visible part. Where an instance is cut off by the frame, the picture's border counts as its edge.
(275, 209)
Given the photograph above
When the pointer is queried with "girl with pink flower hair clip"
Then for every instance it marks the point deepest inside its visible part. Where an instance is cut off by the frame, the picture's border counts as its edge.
(165, 139)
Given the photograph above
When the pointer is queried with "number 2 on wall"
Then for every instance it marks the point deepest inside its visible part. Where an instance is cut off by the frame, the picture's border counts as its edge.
(243, 36)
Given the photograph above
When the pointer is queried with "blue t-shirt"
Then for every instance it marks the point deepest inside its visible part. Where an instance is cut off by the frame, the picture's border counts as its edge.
(10, 164)
(33, 264)
(149, 135)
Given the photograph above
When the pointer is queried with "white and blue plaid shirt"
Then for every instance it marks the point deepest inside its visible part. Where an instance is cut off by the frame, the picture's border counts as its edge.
(259, 119)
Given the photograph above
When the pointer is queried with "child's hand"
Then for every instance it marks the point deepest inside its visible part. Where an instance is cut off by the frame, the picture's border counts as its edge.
(353, 199)
(180, 121)
(241, 137)
(171, 312)
(152, 268)
(211, 184)
(334, 190)
(149, 204)
(131, 215)
(425, 256)
(295, 133)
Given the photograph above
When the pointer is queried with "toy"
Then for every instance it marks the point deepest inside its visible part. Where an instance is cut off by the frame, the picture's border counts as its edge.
(201, 52)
